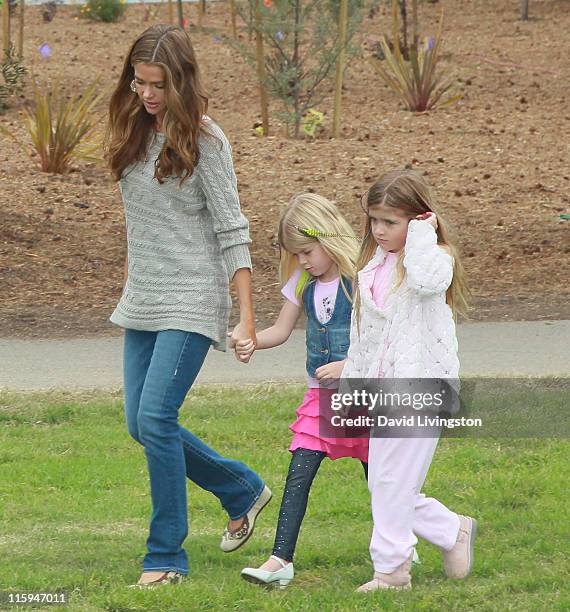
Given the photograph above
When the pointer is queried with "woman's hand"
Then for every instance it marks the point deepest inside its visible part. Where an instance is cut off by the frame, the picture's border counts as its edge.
(431, 217)
(246, 328)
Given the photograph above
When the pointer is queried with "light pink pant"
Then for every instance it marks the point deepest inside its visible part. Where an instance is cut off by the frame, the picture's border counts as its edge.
(397, 468)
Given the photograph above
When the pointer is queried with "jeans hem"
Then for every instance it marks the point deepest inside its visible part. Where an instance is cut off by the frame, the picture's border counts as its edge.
(166, 568)
(257, 496)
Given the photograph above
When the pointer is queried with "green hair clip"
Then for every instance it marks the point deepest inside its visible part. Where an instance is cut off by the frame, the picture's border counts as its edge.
(315, 233)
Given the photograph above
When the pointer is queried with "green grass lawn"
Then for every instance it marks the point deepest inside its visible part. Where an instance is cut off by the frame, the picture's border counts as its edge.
(74, 508)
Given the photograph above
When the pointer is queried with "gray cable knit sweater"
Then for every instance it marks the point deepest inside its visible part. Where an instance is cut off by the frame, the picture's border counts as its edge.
(184, 243)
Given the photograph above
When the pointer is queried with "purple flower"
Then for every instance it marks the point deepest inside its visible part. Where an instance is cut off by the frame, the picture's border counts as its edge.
(45, 50)
(279, 35)
(217, 39)
(430, 42)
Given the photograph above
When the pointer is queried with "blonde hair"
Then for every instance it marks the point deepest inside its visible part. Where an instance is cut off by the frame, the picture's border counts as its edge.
(130, 126)
(336, 236)
(408, 192)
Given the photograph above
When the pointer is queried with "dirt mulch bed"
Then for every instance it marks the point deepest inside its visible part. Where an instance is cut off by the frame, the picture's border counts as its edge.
(498, 161)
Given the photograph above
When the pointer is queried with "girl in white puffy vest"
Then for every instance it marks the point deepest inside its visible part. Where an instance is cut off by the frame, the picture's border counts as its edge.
(409, 287)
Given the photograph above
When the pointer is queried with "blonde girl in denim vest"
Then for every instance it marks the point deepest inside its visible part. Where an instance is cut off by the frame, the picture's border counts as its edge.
(318, 256)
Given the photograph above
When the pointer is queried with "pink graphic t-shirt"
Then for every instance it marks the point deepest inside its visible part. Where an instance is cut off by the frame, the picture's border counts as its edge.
(325, 298)
(382, 285)
(383, 278)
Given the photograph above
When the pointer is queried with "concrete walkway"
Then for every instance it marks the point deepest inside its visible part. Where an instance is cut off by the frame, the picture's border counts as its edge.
(528, 348)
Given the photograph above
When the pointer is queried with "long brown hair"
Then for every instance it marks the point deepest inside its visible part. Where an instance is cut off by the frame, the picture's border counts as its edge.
(408, 192)
(130, 126)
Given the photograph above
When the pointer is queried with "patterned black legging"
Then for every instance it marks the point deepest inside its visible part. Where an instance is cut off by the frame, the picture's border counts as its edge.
(302, 470)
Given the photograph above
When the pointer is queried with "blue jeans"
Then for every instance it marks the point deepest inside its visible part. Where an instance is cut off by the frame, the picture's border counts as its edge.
(159, 369)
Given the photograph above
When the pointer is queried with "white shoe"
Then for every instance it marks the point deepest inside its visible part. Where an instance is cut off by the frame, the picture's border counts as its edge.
(233, 540)
(281, 577)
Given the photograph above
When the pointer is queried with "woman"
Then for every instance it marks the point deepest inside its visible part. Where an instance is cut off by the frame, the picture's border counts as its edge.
(186, 239)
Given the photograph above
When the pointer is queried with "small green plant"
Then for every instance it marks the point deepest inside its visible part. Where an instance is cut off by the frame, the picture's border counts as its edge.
(103, 10)
(301, 41)
(62, 130)
(150, 11)
(13, 74)
(418, 81)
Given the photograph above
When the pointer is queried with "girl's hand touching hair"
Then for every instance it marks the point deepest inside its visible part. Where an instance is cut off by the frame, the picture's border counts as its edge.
(430, 217)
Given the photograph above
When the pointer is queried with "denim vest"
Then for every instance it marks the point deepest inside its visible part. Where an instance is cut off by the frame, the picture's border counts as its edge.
(327, 342)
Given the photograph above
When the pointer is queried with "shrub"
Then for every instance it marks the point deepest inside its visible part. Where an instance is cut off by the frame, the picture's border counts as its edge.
(13, 74)
(61, 130)
(49, 9)
(301, 38)
(103, 10)
(418, 82)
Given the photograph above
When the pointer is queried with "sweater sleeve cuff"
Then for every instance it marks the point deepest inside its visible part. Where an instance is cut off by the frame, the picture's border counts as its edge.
(421, 234)
(236, 257)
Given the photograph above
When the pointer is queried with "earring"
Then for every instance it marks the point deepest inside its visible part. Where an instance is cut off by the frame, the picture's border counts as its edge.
(133, 86)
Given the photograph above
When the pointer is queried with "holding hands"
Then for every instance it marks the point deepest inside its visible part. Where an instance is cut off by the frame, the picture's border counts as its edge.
(244, 350)
(243, 340)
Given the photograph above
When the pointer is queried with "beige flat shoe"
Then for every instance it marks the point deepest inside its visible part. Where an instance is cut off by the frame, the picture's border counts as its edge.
(400, 578)
(458, 562)
(232, 540)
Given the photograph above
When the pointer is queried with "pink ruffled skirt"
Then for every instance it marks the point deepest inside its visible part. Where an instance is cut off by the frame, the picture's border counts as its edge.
(309, 423)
